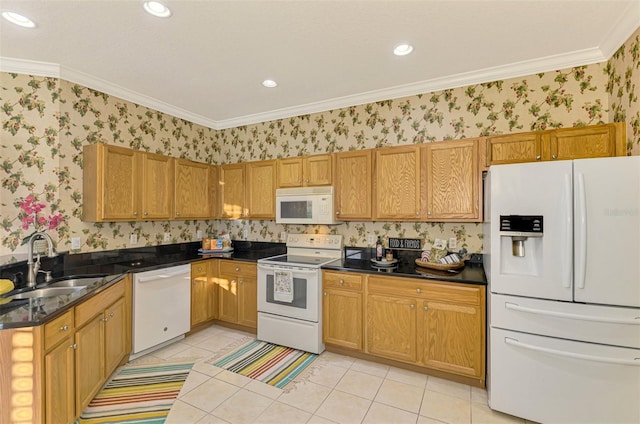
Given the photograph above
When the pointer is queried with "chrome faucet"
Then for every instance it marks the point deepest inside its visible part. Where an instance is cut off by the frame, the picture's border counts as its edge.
(34, 266)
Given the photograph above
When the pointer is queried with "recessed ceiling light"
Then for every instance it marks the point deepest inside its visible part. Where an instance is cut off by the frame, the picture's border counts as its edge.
(269, 83)
(403, 49)
(157, 9)
(16, 18)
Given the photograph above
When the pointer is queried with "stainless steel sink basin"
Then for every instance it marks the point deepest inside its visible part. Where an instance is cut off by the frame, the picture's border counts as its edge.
(75, 282)
(46, 292)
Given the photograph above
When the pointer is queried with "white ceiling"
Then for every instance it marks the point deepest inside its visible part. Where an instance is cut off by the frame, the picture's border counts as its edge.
(206, 62)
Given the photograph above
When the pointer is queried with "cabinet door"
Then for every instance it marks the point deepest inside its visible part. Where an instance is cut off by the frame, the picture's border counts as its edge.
(232, 191)
(594, 141)
(59, 383)
(514, 148)
(89, 371)
(318, 170)
(203, 293)
(452, 181)
(120, 182)
(354, 173)
(290, 172)
(115, 335)
(397, 183)
(342, 318)
(261, 189)
(248, 301)
(391, 327)
(192, 191)
(451, 338)
(228, 298)
(157, 186)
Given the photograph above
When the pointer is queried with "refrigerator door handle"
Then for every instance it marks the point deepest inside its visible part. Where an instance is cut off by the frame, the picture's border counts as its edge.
(568, 248)
(516, 343)
(581, 232)
(607, 320)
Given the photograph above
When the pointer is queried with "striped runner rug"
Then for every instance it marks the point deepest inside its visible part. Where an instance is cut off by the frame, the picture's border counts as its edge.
(138, 393)
(272, 364)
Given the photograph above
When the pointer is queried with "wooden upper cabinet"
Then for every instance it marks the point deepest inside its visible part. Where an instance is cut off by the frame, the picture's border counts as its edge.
(305, 171)
(397, 183)
(192, 190)
(110, 183)
(261, 189)
(514, 148)
(231, 191)
(157, 186)
(452, 181)
(353, 185)
(594, 141)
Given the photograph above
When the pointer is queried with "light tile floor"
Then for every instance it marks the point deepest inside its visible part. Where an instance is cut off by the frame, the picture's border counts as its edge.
(338, 389)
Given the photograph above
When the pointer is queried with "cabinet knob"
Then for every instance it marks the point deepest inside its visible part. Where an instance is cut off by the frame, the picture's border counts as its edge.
(426, 308)
(538, 157)
(74, 346)
(418, 290)
(429, 213)
(135, 214)
(325, 293)
(337, 212)
(146, 213)
(341, 281)
(64, 328)
(413, 306)
(307, 180)
(417, 213)
(237, 269)
(110, 314)
(177, 213)
(554, 156)
(105, 319)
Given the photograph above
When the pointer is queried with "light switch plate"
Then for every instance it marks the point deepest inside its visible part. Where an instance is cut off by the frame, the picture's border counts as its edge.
(75, 243)
(199, 234)
(371, 239)
(245, 234)
(453, 243)
(167, 237)
(133, 239)
(283, 236)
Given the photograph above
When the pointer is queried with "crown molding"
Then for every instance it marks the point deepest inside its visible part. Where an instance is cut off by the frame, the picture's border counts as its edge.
(618, 35)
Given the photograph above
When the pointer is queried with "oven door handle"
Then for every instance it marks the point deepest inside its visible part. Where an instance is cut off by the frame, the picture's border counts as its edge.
(292, 269)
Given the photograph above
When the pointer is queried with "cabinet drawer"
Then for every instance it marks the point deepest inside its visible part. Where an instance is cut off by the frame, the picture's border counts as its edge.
(199, 269)
(442, 291)
(237, 267)
(98, 303)
(342, 280)
(58, 329)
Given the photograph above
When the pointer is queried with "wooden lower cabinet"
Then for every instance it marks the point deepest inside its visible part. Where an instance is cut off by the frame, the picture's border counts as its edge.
(432, 324)
(59, 374)
(238, 293)
(89, 361)
(204, 291)
(342, 309)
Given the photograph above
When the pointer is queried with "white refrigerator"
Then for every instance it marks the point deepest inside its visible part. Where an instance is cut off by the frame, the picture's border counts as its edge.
(562, 257)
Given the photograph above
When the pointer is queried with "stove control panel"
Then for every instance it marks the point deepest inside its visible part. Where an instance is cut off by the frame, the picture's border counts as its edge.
(318, 241)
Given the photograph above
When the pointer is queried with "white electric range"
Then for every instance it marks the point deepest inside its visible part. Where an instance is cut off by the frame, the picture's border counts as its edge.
(290, 291)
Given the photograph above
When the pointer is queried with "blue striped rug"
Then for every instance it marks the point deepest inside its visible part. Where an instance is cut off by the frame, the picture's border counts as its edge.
(266, 362)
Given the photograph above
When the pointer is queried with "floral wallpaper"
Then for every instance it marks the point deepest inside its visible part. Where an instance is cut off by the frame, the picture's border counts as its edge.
(47, 121)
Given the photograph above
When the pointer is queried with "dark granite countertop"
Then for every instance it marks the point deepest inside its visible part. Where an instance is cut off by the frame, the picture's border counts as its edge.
(359, 260)
(112, 264)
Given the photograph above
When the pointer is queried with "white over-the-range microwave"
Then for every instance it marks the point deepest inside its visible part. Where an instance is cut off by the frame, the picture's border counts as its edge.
(305, 205)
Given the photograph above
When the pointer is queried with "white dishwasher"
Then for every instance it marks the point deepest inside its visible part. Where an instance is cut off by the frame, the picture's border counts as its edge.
(161, 308)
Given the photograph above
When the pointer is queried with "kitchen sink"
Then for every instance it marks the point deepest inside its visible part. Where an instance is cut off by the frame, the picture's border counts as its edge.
(46, 292)
(75, 282)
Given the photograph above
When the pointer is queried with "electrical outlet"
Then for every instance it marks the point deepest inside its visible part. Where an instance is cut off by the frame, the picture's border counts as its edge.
(167, 237)
(75, 243)
(453, 243)
(371, 239)
(245, 234)
(198, 234)
(283, 236)
(133, 239)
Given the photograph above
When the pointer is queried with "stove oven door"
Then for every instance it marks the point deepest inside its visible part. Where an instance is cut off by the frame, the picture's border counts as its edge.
(296, 294)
